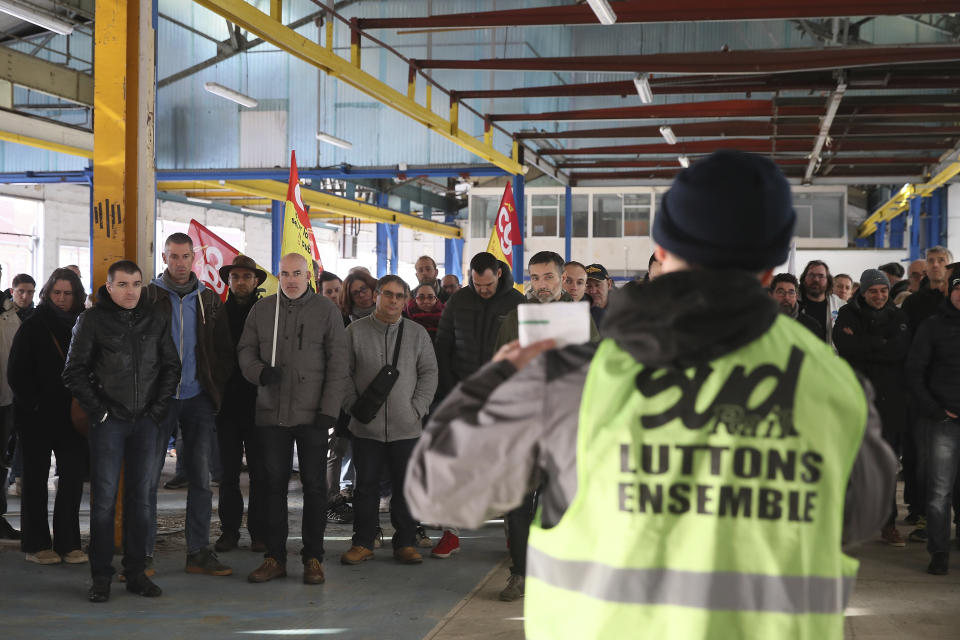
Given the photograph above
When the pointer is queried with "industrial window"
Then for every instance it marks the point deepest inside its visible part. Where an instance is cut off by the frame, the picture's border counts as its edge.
(819, 214)
(483, 211)
(80, 256)
(544, 210)
(607, 215)
(636, 214)
(580, 211)
(19, 240)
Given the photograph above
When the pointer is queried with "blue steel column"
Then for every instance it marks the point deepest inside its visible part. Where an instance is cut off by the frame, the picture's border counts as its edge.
(897, 226)
(276, 233)
(880, 236)
(518, 196)
(915, 229)
(383, 239)
(88, 174)
(453, 252)
(568, 224)
(934, 219)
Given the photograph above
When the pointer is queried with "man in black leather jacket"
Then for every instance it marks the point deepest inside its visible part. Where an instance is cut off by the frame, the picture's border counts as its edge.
(122, 368)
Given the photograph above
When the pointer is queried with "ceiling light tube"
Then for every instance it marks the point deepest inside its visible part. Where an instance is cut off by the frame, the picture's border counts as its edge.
(234, 96)
(604, 13)
(335, 141)
(684, 161)
(642, 82)
(668, 135)
(34, 16)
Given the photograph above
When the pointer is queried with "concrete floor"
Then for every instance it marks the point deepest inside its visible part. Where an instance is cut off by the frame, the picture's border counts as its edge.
(452, 599)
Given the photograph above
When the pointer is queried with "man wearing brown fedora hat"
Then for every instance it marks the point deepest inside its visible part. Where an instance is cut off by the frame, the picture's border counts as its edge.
(235, 426)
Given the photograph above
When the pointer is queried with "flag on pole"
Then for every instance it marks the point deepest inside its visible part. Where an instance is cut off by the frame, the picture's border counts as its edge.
(213, 252)
(297, 231)
(505, 234)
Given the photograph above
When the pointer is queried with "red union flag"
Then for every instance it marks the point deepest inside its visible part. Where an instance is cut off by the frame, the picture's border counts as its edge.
(297, 231)
(212, 252)
(506, 230)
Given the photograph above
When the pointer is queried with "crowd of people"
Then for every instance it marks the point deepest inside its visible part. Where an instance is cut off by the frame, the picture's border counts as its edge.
(345, 374)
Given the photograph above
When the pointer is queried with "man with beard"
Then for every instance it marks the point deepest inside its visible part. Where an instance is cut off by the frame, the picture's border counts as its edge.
(545, 287)
(783, 290)
(236, 431)
(816, 297)
(872, 335)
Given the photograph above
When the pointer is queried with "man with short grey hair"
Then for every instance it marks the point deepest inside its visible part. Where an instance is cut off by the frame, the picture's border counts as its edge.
(294, 348)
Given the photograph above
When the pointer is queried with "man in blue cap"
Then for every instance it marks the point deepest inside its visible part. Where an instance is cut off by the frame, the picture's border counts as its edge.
(693, 476)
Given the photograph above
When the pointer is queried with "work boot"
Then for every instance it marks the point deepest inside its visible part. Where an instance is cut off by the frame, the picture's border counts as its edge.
(407, 555)
(892, 537)
(267, 571)
(7, 533)
(100, 590)
(313, 572)
(356, 555)
(514, 589)
(141, 585)
(206, 562)
(227, 541)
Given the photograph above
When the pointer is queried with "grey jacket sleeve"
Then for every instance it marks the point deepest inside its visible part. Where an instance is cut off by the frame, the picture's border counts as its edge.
(336, 378)
(872, 480)
(350, 394)
(477, 456)
(426, 372)
(248, 349)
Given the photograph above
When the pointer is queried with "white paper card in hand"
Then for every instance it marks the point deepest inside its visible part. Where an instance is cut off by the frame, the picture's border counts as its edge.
(566, 322)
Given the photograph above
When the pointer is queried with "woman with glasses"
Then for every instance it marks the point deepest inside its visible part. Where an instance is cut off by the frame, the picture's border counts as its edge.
(425, 308)
(357, 295)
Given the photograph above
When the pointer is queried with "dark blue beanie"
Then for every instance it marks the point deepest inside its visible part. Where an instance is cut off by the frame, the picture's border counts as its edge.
(730, 210)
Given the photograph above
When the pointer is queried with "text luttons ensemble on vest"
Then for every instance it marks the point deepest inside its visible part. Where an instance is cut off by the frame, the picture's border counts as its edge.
(638, 495)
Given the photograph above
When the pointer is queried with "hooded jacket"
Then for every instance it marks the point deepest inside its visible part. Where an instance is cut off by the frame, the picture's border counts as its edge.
(489, 443)
(468, 329)
(206, 352)
(875, 343)
(933, 363)
(311, 355)
(122, 361)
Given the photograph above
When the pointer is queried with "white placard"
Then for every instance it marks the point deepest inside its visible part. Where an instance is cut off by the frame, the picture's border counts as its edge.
(566, 322)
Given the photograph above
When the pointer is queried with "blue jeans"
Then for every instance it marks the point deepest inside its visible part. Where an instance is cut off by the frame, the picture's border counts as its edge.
(276, 446)
(198, 426)
(132, 446)
(943, 458)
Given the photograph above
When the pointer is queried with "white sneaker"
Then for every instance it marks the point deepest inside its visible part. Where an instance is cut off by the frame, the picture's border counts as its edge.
(46, 556)
(76, 557)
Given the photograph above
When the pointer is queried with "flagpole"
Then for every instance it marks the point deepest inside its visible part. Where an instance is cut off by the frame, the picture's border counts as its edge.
(276, 321)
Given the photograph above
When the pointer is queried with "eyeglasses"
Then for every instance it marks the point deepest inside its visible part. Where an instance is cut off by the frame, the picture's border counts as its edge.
(390, 295)
(789, 293)
(426, 297)
(816, 276)
(360, 290)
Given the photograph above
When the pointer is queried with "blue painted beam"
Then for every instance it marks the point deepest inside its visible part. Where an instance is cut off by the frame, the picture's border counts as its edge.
(518, 196)
(567, 223)
(880, 235)
(276, 233)
(897, 227)
(914, 212)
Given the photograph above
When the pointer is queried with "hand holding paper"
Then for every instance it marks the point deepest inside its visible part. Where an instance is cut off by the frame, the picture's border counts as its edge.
(565, 322)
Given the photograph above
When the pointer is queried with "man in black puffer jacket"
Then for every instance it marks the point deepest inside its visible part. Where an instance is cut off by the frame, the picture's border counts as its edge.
(933, 367)
(873, 335)
(472, 318)
(122, 368)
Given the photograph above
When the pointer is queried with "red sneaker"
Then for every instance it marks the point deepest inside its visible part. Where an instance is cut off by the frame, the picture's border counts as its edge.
(448, 545)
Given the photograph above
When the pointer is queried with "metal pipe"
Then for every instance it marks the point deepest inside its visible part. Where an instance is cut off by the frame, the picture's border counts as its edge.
(825, 125)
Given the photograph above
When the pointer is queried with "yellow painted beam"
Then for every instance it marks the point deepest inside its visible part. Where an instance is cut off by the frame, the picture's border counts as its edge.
(183, 185)
(939, 180)
(255, 21)
(276, 10)
(901, 201)
(46, 77)
(212, 195)
(323, 205)
(8, 136)
(251, 202)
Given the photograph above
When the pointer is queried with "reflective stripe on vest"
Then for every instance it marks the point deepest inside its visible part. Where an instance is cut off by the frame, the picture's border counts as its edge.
(709, 499)
(713, 590)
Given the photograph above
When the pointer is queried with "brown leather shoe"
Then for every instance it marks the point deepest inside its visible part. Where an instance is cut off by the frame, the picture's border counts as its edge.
(269, 570)
(407, 555)
(313, 572)
(356, 555)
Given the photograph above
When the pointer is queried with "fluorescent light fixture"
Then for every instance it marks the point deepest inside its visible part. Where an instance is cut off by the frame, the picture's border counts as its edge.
(684, 161)
(604, 13)
(668, 135)
(37, 17)
(230, 94)
(642, 82)
(335, 141)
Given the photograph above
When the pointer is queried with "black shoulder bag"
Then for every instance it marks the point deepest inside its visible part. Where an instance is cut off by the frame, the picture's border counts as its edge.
(373, 397)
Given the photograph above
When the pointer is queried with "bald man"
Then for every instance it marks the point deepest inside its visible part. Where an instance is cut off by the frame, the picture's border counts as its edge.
(302, 380)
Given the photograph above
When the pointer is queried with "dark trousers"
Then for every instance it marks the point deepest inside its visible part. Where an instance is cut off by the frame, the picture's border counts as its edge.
(894, 440)
(8, 443)
(198, 425)
(370, 457)
(132, 446)
(236, 433)
(943, 459)
(276, 444)
(518, 531)
(38, 441)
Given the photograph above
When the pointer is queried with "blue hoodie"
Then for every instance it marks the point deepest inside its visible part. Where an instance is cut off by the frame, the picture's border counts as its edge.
(183, 326)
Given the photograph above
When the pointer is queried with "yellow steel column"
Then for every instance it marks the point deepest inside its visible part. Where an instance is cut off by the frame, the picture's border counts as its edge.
(123, 130)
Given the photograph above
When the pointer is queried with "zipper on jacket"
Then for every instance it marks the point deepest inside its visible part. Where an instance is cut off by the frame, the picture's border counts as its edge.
(180, 347)
(300, 339)
(386, 357)
(136, 365)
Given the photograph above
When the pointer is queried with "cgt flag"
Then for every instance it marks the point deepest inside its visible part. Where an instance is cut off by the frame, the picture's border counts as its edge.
(297, 231)
(505, 234)
(213, 252)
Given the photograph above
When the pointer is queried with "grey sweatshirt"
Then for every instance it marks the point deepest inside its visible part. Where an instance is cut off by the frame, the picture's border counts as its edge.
(371, 344)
